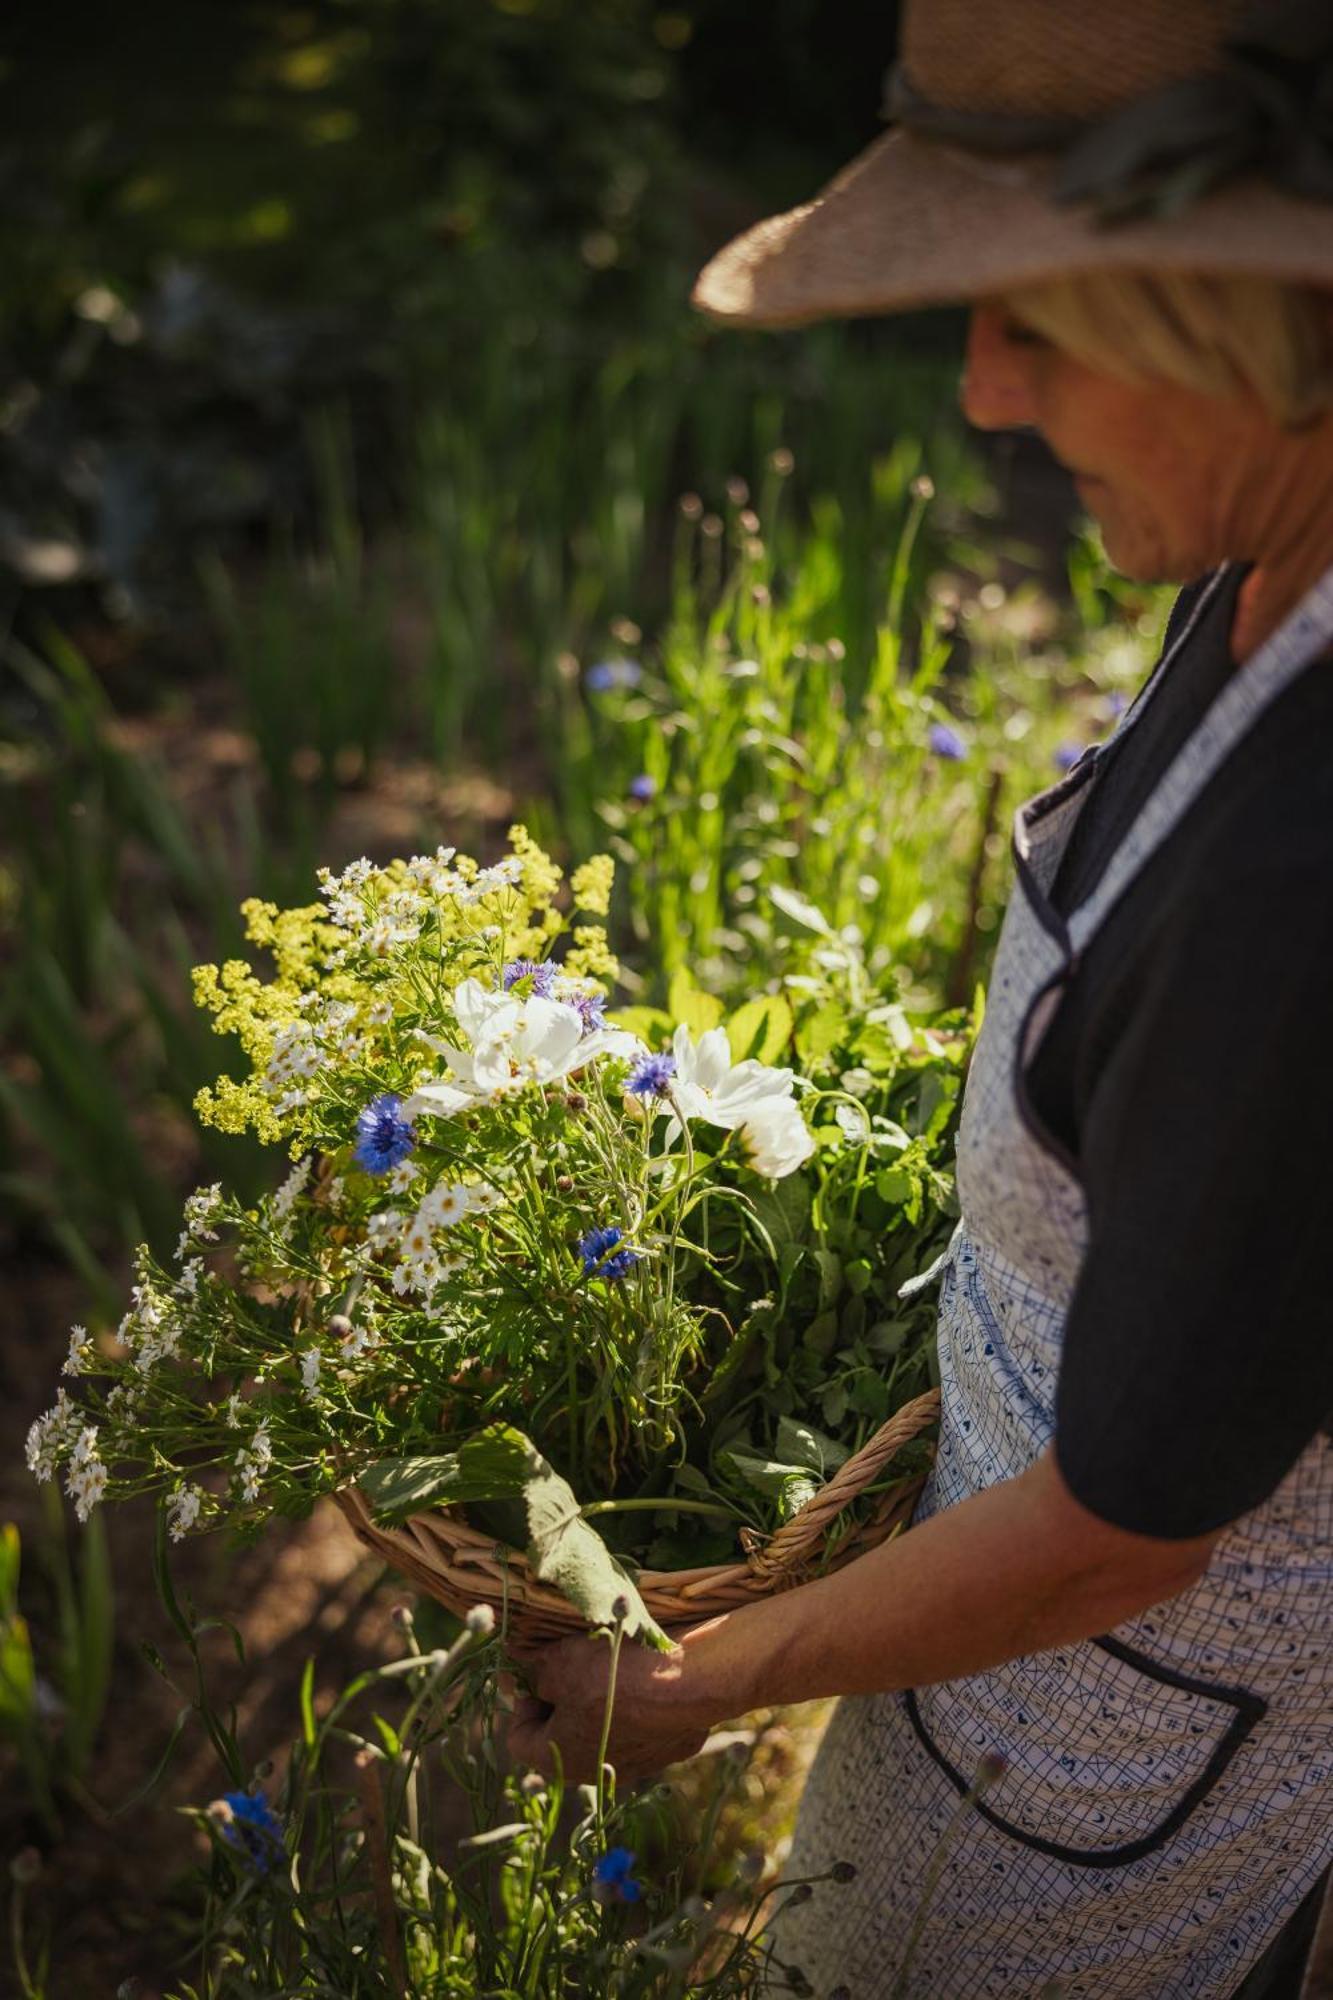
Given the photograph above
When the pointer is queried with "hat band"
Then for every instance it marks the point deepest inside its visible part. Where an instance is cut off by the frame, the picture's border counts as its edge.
(1268, 110)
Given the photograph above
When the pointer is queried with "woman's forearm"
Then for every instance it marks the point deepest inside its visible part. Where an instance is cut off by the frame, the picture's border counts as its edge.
(1014, 1570)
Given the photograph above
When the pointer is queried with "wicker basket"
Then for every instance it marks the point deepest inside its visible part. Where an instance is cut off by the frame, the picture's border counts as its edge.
(460, 1566)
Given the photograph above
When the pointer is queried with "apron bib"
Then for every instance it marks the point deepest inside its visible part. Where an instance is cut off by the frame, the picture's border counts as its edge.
(1167, 1798)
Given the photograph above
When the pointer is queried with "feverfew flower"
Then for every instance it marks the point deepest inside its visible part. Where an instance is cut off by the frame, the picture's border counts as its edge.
(445, 1206)
(384, 1228)
(384, 1137)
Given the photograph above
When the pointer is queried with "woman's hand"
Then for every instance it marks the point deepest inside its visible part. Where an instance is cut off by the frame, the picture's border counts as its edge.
(663, 1710)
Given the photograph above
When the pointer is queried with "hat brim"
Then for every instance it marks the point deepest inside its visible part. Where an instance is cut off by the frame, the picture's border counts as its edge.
(913, 223)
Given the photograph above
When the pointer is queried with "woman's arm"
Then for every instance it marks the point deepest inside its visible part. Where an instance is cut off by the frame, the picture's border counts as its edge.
(1014, 1570)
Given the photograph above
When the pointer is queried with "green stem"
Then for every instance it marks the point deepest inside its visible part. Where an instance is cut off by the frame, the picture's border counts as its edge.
(715, 1508)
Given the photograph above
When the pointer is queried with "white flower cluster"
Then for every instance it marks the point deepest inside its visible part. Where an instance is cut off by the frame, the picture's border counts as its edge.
(202, 1209)
(311, 1360)
(253, 1461)
(287, 1196)
(421, 1263)
(150, 1329)
(78, 1348)
(50, 1434)
(183, 1511)
(85, 1480)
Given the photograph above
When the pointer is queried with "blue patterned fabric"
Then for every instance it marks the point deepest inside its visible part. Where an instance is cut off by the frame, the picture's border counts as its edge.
(1167, 1797)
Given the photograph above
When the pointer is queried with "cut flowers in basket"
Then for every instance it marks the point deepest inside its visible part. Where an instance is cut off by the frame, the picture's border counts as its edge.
(623, 1285)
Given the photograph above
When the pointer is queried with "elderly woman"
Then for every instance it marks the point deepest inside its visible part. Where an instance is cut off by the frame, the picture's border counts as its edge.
(1116, 1601)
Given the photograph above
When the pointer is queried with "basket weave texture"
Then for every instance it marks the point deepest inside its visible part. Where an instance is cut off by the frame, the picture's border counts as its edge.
(460, 1566)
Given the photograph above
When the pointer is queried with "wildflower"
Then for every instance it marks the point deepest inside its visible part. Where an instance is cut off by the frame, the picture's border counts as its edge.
(651, 1077)
(860, 1082)
(445, 1206)
(612, 1880)
(310, 1365)
(356, 1340)
(591, 885)
(285, 1200)
(483, 1199)
(946, 743)
(201, 1209)
(1067, 755)
(590, 1007)
(595, 1249)
(384, 1136)
(187, 1285)
(514, 1043)
(183, 1511)
(541, 977)
(232, 1415)
(608, 674)
(775, 1139)
(642, 788)
(78, 1344)
(247, 1821)
(85, 1481)
(384, 1228)
(708, 1085)
(253, 1462)
(401, 1177)
(49, 1435)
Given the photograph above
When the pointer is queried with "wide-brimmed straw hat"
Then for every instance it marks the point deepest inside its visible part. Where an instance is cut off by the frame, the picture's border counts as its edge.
(1036, 138)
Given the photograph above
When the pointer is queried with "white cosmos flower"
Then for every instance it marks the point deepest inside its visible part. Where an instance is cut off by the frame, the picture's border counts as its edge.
(515, 1042)
(708, 1085)
(775, 1138)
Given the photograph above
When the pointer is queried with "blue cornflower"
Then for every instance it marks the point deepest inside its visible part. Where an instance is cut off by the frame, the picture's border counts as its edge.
(946, 742)
(1067, 756)
(383, 1135)
(590, 1008)
(608, 674)
(643, 788)
(594, 1249)
(247, 1821)
(612, 1880)
(542, 976)
(652, 1076)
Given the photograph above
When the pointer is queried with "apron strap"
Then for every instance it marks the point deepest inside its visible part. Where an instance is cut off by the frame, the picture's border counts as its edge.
(1247, 695)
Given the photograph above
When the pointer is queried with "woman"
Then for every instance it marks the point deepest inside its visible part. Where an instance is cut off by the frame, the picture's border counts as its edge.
(1117, 1597)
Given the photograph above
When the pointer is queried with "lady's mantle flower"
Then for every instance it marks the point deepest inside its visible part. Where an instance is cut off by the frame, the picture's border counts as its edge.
(946, 743)
(595, 1249)
(183, 1511)
(612, 1879)
(652, 1077)
(383, 1135)
(775, 1139)
(542, 977)
(514, 1043)
(248, 1822)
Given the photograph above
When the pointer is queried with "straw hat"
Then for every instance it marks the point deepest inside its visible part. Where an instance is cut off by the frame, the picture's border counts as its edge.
(1033, 138)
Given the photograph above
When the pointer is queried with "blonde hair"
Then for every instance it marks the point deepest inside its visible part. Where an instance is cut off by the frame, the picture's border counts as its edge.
(1214, 334)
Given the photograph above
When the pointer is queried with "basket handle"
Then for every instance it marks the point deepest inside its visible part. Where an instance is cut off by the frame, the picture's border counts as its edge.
(780, 1558)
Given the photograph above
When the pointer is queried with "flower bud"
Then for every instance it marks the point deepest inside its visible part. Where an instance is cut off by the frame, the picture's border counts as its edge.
(564, 1183)
(480, 1621)
(620, 1609)
(532, 1785)
(843, 1871)
(576, 1101)
(340, 1326)
(800, 1894)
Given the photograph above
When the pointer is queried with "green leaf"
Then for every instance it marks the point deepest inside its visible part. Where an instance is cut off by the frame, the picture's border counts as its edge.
(819, 1032)
(761, 1028)
(564, 1549)
(697, 1011)
(783, 1210)
(650, 1024)
(790, 1485)
(821, 1335)
(802, 1444)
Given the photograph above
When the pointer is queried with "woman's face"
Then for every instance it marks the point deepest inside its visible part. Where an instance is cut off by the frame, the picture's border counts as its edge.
(1172, 476)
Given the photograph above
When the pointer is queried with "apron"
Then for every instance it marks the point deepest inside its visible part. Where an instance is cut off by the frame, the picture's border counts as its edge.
(1167, 1797)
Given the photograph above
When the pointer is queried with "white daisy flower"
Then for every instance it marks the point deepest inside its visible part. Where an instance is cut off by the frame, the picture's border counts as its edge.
(445, 1206)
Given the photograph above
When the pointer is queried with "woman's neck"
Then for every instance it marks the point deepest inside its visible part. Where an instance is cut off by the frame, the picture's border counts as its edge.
(1297, 544)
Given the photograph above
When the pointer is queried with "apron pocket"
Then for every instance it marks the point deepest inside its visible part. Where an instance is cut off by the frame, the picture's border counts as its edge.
(1106, 1752)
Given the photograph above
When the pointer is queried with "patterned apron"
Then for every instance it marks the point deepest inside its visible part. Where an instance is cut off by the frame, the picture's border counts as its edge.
(1167, 1798)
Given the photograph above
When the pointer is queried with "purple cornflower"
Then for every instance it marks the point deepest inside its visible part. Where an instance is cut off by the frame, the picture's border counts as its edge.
(946, 743)
(247, 1821)
(608, 674)
(590, 1008)
(594, 1249)
(612, 1880)
(542, 976)
(652, 1076)
(383, 1135)
(1067, 755)
(643, 788)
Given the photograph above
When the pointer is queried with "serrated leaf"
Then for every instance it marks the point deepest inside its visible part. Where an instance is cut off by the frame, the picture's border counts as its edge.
(687, 1005)
(761, 1028)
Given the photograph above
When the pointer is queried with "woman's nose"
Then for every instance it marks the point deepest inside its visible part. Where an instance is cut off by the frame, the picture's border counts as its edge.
(996, 390)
